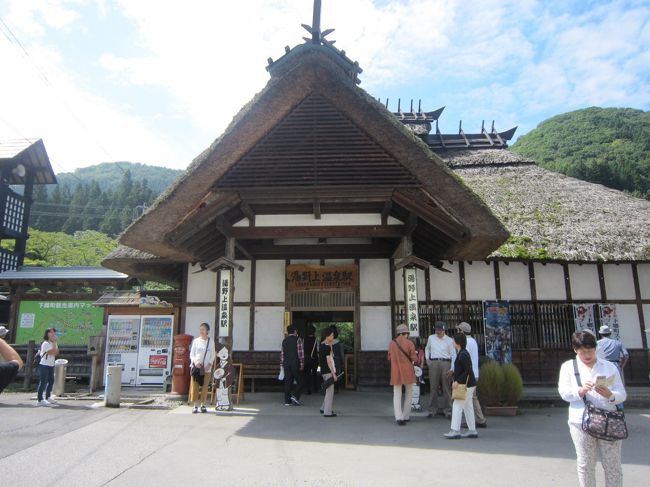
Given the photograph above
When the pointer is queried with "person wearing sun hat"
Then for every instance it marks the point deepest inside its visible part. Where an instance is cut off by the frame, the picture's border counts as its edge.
(612, 350)
(402, 355)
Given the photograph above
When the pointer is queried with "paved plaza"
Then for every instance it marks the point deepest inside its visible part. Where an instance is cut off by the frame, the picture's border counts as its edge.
(264, 443)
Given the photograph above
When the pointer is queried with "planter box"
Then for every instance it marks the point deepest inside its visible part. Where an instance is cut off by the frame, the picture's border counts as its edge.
(501, 410)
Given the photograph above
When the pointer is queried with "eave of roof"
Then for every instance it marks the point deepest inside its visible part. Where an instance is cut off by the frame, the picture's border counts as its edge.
(74, 273)
(32, 155)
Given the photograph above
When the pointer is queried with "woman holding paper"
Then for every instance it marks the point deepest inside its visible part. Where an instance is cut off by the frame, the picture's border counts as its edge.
(600, 383)
(330, 363)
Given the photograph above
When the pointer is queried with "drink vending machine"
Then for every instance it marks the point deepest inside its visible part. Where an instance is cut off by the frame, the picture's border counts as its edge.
(142, 346)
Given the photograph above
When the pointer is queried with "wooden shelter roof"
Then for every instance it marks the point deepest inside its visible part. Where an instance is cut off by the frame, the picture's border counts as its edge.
(313, 142)
(32, 155)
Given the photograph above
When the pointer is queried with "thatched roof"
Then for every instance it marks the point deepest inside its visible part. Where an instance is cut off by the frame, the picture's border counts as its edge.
(313, 72)
(553, 216)
(144, 265)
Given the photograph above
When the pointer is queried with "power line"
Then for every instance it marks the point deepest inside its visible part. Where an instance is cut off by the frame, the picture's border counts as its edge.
(45, 80)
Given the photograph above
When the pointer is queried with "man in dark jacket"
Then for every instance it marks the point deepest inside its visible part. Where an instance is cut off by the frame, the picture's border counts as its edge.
(292, 361)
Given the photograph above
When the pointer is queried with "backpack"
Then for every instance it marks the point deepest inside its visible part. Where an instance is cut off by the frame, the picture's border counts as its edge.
(37, 358)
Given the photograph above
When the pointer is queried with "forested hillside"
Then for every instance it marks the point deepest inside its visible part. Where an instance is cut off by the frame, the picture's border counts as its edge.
(105, 198)
(609, 146)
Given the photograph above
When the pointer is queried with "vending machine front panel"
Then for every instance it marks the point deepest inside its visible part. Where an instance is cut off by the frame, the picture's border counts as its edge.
(154, 361)
(122, 339)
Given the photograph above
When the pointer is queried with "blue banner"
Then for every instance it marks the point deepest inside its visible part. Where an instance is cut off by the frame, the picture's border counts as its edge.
(498, 331)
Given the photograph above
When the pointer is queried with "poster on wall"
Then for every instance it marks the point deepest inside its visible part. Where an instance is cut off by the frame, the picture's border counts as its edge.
(583, 315)
(608, 317)
(75, 321)
(498, 331)
(225, 291)
(411, 301)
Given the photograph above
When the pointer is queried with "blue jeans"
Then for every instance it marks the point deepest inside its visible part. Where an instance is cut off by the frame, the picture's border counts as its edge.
(46, 374)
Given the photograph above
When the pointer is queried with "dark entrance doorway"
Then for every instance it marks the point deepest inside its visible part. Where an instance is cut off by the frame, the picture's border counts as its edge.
(344, 322)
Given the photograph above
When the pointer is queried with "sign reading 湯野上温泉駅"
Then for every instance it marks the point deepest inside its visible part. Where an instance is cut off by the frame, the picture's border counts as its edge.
(75, 321)
(310, 277)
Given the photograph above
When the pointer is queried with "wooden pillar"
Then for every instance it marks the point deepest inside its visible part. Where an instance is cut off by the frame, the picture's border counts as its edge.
(251, 324)
(639, 304)
(497, 279)
(601, 281)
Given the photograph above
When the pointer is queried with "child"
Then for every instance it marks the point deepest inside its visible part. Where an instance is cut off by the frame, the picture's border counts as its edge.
(419, 376)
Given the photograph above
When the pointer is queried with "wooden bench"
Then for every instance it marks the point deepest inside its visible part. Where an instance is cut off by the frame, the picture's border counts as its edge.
(261, 371)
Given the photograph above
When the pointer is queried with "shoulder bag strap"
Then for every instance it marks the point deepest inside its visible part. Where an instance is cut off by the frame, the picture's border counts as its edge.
(402, 350)
(206, 352)
(577, 374)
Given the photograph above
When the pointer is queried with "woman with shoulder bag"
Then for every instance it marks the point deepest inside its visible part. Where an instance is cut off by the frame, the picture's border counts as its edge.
(464, 381)
(48, 352)
(202, 357)
(402, 355)
(587, 382)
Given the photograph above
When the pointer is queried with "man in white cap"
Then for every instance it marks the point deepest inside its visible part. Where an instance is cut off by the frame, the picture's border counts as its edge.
(472, 348)
(612, 349)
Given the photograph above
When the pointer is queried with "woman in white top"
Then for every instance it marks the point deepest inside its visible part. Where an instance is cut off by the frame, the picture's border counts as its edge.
(201, 357)
(602, 386)
(49, 350)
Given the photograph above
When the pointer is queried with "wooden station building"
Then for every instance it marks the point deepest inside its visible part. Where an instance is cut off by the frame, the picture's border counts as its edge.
(319, 204)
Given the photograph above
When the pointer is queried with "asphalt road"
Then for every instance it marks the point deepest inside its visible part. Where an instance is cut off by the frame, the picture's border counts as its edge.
(264, 443)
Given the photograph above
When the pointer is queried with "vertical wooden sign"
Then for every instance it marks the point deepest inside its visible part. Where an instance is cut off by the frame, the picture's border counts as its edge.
(411, 301)
(225, 302)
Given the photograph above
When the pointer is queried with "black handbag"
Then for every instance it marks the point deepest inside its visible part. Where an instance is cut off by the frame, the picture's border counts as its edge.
(198, 373)
(600, 423)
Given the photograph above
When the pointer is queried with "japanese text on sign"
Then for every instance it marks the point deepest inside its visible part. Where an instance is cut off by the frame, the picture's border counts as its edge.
(223, 312)
(310, 277)
(411, 301)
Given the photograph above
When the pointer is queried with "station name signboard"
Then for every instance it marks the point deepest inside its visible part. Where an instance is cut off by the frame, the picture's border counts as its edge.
(319, 277)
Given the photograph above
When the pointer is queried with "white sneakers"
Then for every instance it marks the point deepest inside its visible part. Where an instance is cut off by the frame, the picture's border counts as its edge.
(43, 402)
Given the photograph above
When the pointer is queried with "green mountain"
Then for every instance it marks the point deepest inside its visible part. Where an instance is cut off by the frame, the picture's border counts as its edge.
(108, 174)
(608, 146)
(104, 198)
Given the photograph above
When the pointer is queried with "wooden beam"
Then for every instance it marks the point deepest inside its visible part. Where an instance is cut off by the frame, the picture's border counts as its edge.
(267, 250)
(412, 224)
(226, 229)
(317, 209)
(385, 212)
(326, 231)
(248, 212)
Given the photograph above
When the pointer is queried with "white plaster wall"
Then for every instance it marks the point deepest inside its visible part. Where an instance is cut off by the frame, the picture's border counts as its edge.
(584, 281)
(195, 315)
(479, 281)
(202, 286)
(270, 280)
(375, 327)
(399, 285)
(644, 280)
(628, 325)
(241, 318)
(374, 279)
(269, 328)
(308, 220)
(549, 281)
(619, 283)
(445, 286)
(242, 281)
(514, 280)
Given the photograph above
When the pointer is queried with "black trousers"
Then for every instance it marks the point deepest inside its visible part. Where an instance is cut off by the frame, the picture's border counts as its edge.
(292, 373)
(310, 376)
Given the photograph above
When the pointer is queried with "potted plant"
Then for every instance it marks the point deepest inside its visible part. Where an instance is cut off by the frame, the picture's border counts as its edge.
(500, 388)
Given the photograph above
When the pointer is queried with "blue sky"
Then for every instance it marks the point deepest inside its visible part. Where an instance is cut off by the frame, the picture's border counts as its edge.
(156, 81)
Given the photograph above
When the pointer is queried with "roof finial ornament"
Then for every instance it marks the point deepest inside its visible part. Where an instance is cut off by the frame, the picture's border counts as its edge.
(317, 37)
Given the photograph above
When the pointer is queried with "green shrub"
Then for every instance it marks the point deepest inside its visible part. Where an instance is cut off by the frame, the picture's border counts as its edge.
(513, 385)
(490, 383)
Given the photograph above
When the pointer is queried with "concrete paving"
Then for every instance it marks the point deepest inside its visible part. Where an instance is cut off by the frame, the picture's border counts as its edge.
(262, 442)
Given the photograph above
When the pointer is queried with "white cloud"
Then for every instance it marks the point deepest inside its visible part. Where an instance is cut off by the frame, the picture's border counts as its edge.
(200, 61)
